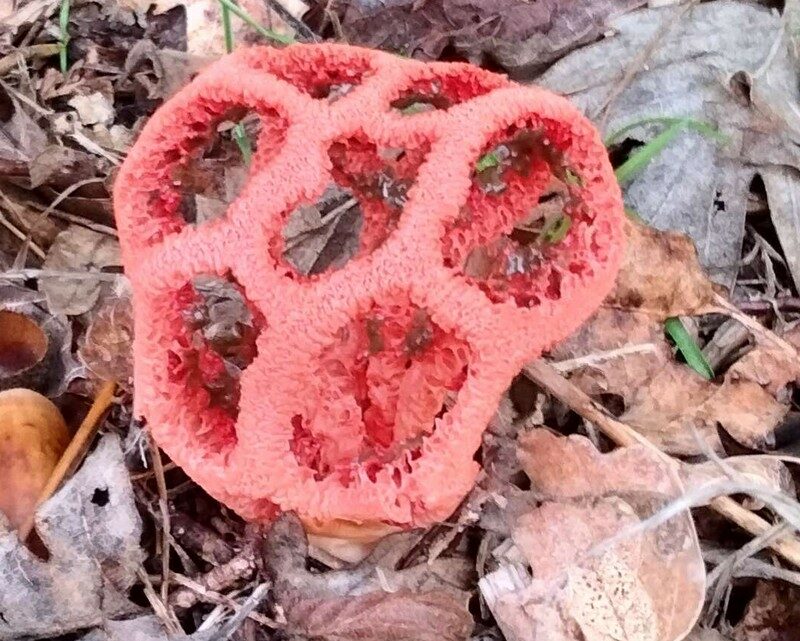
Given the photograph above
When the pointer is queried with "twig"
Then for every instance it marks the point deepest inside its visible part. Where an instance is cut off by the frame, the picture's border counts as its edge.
(766, 335)
(167, 617)
(73, 187)
(754, 568)
(5, 222)
(25, 274)
(146, 474)
(217, 598)
(727, 567)
(239, 568)
(298, 25)
(788, 547)
(590, 360)
(8, 62)
(785, 303)
(250, 604)
(75, 449)
(158, 469)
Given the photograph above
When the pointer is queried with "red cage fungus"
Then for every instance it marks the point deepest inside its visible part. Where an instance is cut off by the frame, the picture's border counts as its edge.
(360, 394)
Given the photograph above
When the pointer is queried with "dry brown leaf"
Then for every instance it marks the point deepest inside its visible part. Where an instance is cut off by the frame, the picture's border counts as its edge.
(383, 616)
(370, 600)
(764, 470)
(647, 586)
(661, 275)
(23, 348)
(773, 614)
(204, 23)
(77, 249)
(106, 349)
(622, 351)
(22, 364)
(33, 436)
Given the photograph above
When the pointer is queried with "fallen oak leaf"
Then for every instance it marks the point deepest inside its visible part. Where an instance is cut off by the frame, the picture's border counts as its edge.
(661, 275)
(382, 616)
(622, 352)
(647, 587)
(370, 601)
(75, 249)
(91, 528)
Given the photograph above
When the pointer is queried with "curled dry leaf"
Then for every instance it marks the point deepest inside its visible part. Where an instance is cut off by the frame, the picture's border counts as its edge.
(762, 470)
(33, 436)
(370, 601)
(91, 528)
(77, 249)
(592, 577)
(773, 614)
(106, 350)
(622, 351)
(661, 275)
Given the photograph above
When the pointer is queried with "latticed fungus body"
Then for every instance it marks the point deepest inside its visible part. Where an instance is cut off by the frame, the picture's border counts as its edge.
(360, 394)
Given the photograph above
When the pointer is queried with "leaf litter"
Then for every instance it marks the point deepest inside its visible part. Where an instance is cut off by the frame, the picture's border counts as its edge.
(561, 537)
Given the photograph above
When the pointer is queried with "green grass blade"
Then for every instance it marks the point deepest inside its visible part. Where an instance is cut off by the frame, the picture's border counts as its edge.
(243, 142)
(227, 27)
(245, 17)
(634, 164)
(686, 345)
(239, 134)
(704, 128)
(63, 38)
(642, 156)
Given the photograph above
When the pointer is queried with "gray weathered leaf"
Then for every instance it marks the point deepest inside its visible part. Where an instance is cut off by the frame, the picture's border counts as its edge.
(91, 529)
(703, 65)
(74, 250)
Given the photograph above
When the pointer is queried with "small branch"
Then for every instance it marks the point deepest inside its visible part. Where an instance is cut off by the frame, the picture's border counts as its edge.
(760, 332)
(240, 568)
(7, 63)
(597, 358)
(298, 25)
(25, 274)
(217, 598)
(250, 604)
(540, 372)
(161, 483)
(75, 449)
(166, 616)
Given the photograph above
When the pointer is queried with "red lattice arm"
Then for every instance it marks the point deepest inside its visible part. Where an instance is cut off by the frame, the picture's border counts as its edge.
(373, 383)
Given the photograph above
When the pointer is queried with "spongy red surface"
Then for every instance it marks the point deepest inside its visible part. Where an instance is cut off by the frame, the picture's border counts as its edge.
(368, 387)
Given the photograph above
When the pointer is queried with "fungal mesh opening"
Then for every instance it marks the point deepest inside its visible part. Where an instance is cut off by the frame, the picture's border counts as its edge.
(323, 76)
(323, 235)
(378, 390)
(206, 361)
(356, 213)
(212, 175)
(442, 92)
(518, 224)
